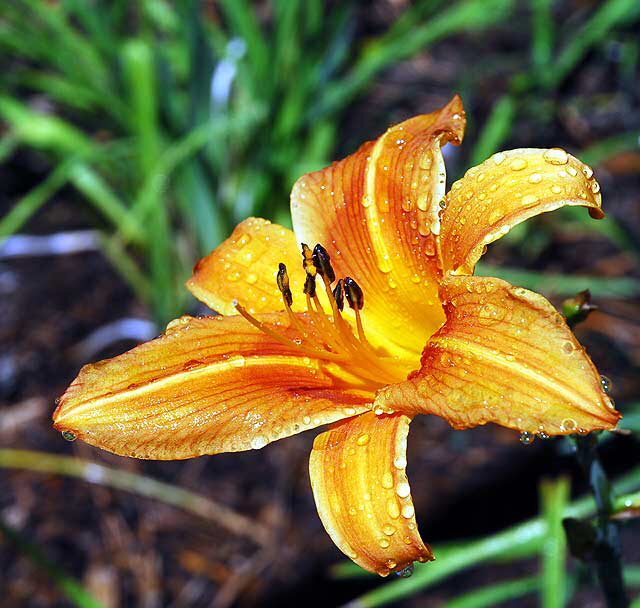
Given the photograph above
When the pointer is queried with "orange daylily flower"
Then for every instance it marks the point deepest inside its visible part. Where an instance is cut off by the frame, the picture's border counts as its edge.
(420, 334)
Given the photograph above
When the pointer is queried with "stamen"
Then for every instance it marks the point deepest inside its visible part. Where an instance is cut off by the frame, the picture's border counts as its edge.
(354, 294)
(338, 295)
(282, 278)
(355, 297)
(310, 285)
(307, 260)
(322, 354)
(322, 262)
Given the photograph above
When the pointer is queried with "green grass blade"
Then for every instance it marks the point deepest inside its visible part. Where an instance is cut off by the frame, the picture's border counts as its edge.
(67, 585)
(609, 15)
(542, 26)
(43, 131)
(609, 147)
(528, 535)
(98, 192)
(496, 130)
(24, 208)
(561, 284)
(554, 496)
(492, 595)
(467, 15)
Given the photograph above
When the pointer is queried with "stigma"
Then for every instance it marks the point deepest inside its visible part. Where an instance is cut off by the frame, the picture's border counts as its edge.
(336, 340)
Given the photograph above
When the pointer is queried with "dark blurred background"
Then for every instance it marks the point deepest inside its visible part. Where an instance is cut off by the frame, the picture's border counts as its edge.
(135, 135)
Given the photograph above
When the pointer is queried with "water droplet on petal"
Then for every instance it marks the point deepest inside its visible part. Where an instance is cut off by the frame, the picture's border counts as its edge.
(363, 439)
(408, 511)
(517, 164)
(384, 543)
(389, 530)
(556, 156)
(403, 490)
(568, 424)
(498, 158)
(68, 436)
(543, 435)
(387, 481)
(606, 383)
(405, 572)
(393, 509)
(258, 442)
(535, 178)
(567, 347)
(526, 438)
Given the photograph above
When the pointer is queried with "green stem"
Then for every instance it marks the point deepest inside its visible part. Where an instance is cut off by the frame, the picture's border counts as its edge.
(607, 554)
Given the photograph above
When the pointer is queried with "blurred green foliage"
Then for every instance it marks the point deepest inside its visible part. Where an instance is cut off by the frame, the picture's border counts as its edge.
(177, 120)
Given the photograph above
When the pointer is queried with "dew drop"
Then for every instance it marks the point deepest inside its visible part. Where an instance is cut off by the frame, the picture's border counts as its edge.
(400, 462)
(595, 187)
(408, 511)
(498, 158)
(391, 564)
(68, 436)
(384, 543)
(606, 383)
(387, 481)
(407, 205)
(405, 572)
(258, 442)
(517, 164)
(237, 361)
(535, 178)
(389, 530)
(567, 347)
(556, 156)
(363, 439)
(568, 424)
(556, 189)
(526, 438)
(543, 435)
(588, 171)
(403, 490)
(393, 509)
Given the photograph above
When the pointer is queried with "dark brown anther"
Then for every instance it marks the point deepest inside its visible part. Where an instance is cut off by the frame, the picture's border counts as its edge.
(307, 260)
(310, 285)
(354, 294)
(322, 262)
(282, 278)
(338, 294)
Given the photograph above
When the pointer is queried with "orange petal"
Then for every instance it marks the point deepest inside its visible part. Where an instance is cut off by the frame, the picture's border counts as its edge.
(504, 355)
(244, 268)
(360, 486)
(376, 212)
(503, 191)
(208, 385)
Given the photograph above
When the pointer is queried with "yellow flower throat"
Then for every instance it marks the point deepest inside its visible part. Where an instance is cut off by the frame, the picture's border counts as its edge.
(335, 341)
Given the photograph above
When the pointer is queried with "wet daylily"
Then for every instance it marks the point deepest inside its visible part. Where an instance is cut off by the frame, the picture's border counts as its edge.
(379, 321)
